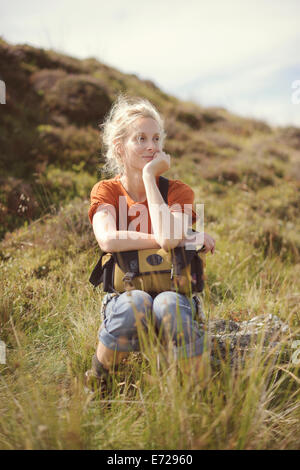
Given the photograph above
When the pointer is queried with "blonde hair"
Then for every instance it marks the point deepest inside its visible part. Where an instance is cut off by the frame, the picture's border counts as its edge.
(115, 128)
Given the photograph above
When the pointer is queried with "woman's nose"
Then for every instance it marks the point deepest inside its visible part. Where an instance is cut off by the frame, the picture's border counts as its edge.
(151, 145)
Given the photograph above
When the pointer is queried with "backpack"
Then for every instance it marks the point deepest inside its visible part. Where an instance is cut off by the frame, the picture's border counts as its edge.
(151, 270)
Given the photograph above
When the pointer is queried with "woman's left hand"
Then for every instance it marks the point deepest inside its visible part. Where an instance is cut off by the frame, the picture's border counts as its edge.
(208, 243)
(160, 164)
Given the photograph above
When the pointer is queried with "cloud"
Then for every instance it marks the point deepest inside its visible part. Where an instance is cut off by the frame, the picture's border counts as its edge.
(264, 92)
(170, 42)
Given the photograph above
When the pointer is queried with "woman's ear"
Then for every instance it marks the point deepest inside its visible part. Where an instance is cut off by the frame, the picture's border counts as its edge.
(118, 148)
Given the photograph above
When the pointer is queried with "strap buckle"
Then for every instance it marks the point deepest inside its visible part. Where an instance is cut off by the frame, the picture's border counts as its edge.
(127, 279)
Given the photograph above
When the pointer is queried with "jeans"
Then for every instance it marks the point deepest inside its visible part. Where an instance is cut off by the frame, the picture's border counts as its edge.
(173, 315)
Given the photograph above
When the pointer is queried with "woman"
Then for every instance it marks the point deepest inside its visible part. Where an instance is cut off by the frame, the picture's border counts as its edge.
(133, 135)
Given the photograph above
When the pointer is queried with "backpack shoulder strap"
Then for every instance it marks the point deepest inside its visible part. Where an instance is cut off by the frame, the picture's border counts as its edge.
(97, 275)
(163, 185)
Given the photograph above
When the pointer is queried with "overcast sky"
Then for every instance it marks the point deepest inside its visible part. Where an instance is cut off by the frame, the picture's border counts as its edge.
(240, 54)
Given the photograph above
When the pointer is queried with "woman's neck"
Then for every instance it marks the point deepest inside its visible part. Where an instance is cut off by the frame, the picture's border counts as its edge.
(134, 186)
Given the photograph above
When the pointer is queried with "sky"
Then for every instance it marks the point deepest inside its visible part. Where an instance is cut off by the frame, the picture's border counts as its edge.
(243, 55)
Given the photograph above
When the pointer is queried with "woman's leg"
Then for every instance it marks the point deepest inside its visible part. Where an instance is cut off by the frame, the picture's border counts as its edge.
(108, 357)
(118, 333)
(174, 317)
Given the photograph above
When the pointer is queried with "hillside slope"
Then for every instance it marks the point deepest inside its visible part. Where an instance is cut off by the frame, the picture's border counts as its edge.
(247, 175)
(51, 145)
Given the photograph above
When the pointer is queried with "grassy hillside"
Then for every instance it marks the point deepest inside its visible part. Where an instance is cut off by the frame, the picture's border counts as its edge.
(51, 146)
(248, 176)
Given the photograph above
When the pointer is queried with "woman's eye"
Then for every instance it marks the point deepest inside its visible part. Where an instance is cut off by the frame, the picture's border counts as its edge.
(141, 139)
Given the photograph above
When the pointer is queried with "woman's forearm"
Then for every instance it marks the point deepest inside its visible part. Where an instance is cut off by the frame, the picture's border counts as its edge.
(123, 240)
(168, 231)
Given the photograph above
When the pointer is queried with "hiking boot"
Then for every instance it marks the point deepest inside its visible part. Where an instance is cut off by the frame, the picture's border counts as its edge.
(97, 379)
(200, 315)
(94, 383)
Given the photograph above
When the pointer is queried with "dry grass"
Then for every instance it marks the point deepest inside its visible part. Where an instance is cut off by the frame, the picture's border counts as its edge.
(246, 173)
(50, 318)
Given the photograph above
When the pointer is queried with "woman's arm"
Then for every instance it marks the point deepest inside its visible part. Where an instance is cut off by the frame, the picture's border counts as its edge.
(112, 240)
(169, 228)
(198, 240)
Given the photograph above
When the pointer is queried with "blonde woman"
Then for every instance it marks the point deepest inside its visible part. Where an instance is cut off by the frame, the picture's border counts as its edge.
(133, 135)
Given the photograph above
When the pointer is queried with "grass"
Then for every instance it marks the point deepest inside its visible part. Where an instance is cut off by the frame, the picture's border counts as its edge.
(246, 173)
(50, 318)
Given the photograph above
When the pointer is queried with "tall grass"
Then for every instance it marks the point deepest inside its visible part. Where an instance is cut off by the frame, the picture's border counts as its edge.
(50, 318)
(248, 177)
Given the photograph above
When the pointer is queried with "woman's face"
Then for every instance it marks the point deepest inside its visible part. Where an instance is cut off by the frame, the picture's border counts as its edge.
(141, 143)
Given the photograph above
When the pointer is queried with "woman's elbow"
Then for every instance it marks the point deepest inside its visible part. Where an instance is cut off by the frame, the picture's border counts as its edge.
(168, 245)
(106, 243)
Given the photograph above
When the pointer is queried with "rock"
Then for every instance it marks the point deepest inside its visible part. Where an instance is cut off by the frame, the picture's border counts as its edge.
(238, 338)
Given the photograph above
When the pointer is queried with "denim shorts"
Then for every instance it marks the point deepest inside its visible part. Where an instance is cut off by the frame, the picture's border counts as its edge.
(175, 316)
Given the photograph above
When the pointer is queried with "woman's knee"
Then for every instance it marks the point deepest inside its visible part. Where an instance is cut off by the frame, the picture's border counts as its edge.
(172, 308)
(135, 306)
(164, 309)
(164, 304)
(120, 328)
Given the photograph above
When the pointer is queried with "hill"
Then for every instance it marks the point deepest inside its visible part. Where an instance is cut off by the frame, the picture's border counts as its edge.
(248, 176)
(51, 145)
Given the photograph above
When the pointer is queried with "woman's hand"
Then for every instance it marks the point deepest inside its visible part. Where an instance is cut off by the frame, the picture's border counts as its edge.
(160, 164)
(197, 238)
(209, 244)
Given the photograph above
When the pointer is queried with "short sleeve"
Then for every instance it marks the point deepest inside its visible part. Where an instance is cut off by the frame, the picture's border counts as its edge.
(101, 194)
(182, 197)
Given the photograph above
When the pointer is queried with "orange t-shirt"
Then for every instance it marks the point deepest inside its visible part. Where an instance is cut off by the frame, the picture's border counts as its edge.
(133, 215)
